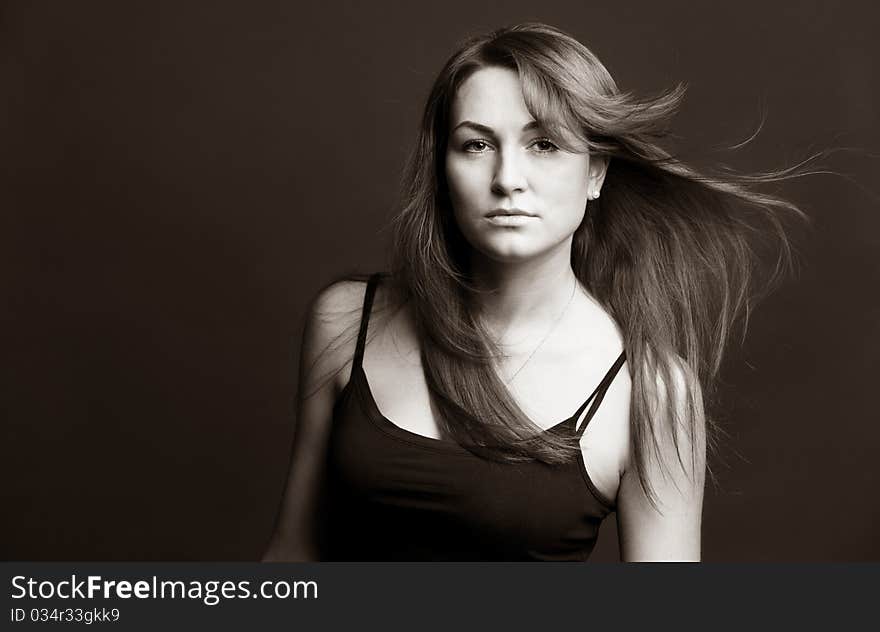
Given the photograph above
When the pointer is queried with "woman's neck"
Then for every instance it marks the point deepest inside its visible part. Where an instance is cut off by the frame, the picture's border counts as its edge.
(516, 298)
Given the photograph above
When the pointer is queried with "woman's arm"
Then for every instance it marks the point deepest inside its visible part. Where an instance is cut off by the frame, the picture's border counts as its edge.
(328, 345)
(673, 532)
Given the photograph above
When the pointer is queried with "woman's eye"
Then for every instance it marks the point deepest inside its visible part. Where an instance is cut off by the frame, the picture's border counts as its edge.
(475, 146)
(543, 145)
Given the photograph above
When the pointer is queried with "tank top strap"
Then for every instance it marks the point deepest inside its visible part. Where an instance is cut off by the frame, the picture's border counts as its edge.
(365, 319)
(599, 394)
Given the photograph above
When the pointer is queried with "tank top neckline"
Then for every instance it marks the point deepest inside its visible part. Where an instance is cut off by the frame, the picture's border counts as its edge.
(362, 383)
(359, 376)
(359, 386)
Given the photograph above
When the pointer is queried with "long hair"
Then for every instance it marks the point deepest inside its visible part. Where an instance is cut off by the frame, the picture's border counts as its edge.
(667, 251)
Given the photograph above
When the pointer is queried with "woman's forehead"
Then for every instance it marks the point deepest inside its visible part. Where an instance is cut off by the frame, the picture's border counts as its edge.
(491, 97)
(491, 101)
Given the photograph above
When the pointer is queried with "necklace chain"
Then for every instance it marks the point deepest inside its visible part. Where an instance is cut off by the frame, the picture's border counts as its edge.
(547, 335)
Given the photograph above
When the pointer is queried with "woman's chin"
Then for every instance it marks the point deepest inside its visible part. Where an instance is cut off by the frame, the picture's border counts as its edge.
(513, 253)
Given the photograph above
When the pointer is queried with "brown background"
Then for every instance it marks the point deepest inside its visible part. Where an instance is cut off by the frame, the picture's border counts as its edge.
(179, 178)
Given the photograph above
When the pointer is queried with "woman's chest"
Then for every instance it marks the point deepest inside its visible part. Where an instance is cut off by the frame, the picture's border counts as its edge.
(549, 390)
(395, 497)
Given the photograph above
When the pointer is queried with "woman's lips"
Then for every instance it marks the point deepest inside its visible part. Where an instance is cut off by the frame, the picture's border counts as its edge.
(510, 219)
(509, 211)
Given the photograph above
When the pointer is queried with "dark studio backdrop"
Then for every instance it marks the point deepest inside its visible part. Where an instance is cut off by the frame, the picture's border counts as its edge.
(178, 179)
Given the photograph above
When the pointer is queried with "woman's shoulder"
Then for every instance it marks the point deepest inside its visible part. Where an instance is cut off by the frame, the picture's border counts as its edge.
(330, 336)
(339, 298)
(333, 324)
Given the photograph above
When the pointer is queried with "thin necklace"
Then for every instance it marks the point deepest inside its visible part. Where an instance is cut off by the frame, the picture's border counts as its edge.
(547, 335)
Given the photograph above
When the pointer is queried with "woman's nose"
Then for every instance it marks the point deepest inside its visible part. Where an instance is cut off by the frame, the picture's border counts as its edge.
(509, 174)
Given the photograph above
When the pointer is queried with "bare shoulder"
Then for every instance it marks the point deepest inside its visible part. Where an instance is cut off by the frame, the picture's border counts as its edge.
(665, 525)
(676, 454)
(674, 397)
(335, 303)
(330, 335)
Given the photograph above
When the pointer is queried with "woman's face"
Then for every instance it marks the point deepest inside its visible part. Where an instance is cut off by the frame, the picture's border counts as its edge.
(515, 194)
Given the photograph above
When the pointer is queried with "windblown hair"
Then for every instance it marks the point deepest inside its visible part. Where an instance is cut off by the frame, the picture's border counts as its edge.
(667, 251)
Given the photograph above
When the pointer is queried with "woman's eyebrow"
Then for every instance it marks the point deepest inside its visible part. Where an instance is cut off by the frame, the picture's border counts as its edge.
(484, 129)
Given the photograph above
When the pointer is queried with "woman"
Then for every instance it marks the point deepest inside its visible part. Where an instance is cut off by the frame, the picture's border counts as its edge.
(551, 263)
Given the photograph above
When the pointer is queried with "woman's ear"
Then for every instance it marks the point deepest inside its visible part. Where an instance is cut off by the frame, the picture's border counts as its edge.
(598, 169)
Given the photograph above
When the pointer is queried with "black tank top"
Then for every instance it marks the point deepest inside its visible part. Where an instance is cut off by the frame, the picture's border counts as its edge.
(394, 495)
